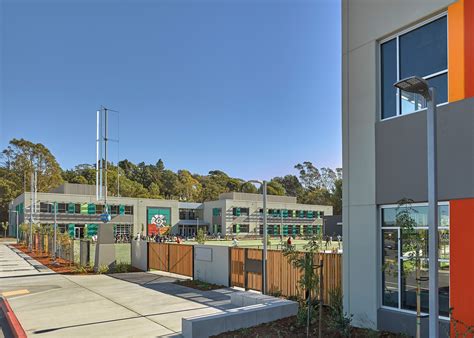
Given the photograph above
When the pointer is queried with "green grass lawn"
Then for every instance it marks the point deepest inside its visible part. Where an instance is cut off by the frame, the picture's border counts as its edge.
(258, 244)
(122, 252)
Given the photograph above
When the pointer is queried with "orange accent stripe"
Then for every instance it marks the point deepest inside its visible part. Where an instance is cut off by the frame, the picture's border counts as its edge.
(456, 90)
(461, 262)
(469, 46)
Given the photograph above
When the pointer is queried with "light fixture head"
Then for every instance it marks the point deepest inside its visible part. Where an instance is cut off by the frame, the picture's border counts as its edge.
(414, 84)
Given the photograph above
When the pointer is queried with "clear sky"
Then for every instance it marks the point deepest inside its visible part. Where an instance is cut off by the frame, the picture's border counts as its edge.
(250, 87)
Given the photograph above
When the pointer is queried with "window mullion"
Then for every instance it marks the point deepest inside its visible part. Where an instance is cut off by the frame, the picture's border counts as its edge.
(398, 108)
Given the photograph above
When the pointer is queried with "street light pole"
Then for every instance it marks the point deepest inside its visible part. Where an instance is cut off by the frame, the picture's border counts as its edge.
(432, 215)
(419, 86)
(265, 238)
(55, 205)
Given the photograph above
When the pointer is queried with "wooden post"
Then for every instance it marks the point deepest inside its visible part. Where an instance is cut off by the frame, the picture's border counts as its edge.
(245, 269)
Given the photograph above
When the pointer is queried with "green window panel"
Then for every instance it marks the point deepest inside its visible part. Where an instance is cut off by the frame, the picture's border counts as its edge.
(301, 214)
(216, 211)
(310, 229)
(91, 209)
(275, 229)
(70, 230)
(92, 230)
(285, 230)
(237, 212)
(285, 212)
(301, 229)
(71, 208)
(293, 213)
(84, 208)
(309, 214)
(294, 231)
(122, 209)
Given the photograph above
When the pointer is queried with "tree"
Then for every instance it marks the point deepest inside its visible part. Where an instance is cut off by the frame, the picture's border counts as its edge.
(24, 157)
(275, 188)
(336, 198)
(291, 184)
(201, 236)
(309, 175)
(309, 280)
(188, 188)
(4, 227)
(248, 187)
(413, 243)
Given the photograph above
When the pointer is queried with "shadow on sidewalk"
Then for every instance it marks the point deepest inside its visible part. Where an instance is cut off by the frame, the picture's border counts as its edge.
(219, 299)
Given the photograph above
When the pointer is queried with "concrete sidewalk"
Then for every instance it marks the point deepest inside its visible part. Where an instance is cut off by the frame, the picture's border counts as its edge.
(126, 305)
(14, 263)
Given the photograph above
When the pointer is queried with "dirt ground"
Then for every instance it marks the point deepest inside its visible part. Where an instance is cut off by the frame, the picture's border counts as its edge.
(287, 328)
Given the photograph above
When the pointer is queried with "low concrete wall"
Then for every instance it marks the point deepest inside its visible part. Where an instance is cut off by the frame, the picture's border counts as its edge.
(254, 309)
(139, 255)
(211, 264)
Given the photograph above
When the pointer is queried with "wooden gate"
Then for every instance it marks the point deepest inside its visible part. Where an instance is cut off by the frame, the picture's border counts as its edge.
(246, 268)
(175, 258)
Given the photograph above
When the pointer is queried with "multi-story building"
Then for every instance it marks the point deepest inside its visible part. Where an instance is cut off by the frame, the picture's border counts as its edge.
(385, 157)
(78, 212)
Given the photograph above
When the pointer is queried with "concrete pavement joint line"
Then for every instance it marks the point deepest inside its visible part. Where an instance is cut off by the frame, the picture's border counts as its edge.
(31, 275)
(111, 300)
(117, 320)
(15, 250)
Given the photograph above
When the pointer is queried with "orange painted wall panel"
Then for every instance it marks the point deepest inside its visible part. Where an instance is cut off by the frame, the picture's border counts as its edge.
(456, 51)
(462, 260)
(469, 47)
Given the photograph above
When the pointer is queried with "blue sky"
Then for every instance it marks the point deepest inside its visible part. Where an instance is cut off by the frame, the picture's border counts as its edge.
(247, 87)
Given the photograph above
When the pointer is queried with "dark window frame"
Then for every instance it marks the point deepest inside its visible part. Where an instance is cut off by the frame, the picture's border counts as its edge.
(432, 76)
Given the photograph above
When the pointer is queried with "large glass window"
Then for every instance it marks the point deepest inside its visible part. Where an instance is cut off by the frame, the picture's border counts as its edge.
(423, 52)
(398, 266)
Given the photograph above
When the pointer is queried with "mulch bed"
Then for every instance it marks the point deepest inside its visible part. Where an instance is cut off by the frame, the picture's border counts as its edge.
(286, 327)
(62, 266)
(196, 284)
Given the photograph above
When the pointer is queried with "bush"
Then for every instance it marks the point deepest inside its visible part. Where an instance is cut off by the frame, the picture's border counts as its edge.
(103, 269)
(122, 267)
(201, 236)
(338, 319)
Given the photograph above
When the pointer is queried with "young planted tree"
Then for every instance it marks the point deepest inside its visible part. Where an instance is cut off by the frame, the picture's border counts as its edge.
(310, 281)
(201, 236)
(4, 227)
(412, 244)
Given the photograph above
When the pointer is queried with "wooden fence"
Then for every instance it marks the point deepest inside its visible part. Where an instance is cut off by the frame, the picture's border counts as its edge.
(173, 258)
(282, 276)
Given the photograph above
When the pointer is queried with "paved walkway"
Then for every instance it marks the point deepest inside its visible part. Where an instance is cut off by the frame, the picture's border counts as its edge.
(14, 263)
(131, 304)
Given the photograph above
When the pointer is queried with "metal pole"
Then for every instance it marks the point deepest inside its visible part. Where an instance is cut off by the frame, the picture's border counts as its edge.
(432, 216)
(55, 229)
(31, 214)
(265, 240)
(17, 231)
(105, 153)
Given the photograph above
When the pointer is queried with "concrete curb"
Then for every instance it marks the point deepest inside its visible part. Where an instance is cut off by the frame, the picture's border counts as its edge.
(13, 322)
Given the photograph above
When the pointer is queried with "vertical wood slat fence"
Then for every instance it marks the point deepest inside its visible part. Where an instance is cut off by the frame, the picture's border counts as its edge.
(173, 258)
(282, 276)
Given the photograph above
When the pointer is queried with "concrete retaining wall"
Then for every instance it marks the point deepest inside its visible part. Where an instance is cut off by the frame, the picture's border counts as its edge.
(139, 255)
(252, 309)
(211, 264)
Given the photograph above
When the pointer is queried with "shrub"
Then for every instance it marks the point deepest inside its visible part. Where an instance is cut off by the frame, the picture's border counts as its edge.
(122, 267)
(103, 269)
(201, 236)
(338, 319)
